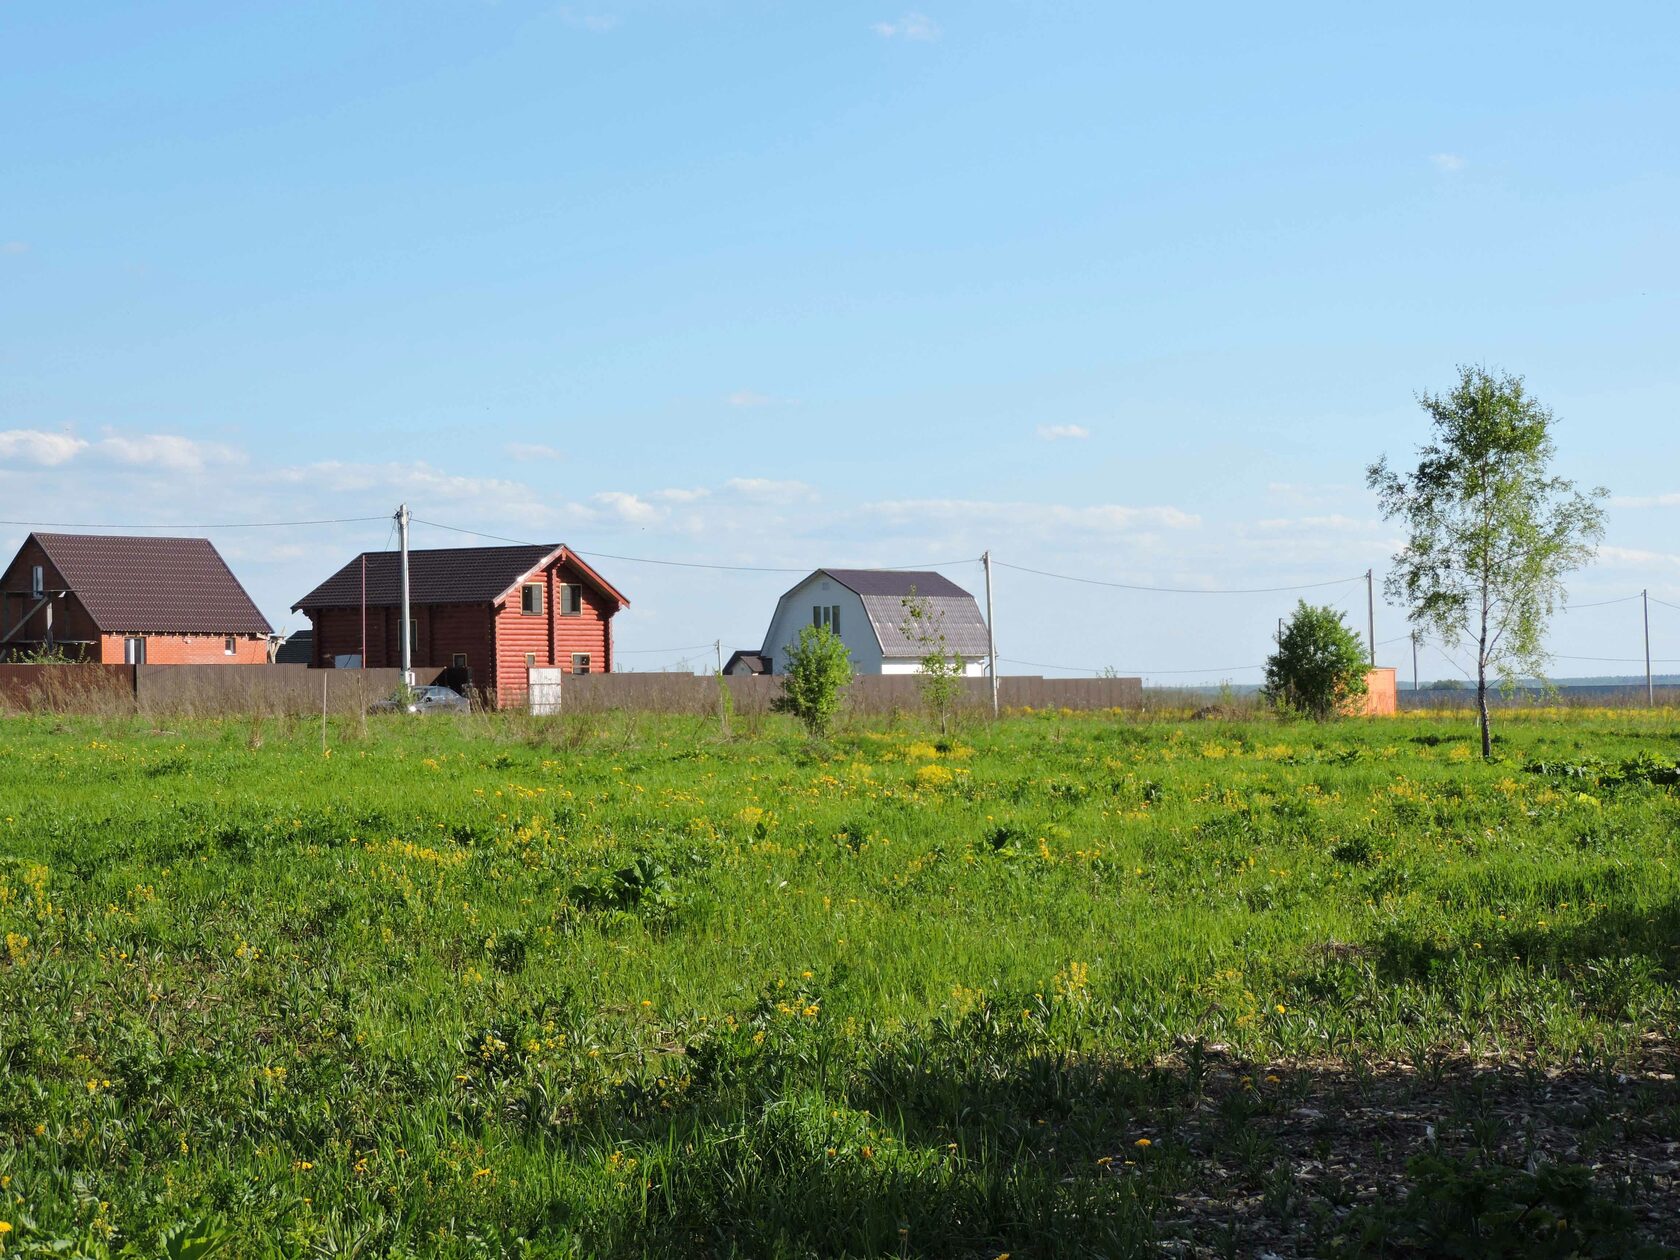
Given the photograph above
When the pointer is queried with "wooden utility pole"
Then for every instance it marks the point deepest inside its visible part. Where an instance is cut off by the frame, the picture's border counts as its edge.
(1371, 614)
(1414, 661)
(991, 635)
(402, 629)
(1650, 684)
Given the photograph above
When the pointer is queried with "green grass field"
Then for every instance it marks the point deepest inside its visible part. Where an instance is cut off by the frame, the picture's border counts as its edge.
(1062, 986)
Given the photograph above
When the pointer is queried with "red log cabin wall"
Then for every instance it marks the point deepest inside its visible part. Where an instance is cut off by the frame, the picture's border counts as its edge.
(442, 632)
(551, 637)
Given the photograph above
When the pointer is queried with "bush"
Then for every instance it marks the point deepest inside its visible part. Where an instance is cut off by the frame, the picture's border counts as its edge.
(1319, 664)
(818, 669)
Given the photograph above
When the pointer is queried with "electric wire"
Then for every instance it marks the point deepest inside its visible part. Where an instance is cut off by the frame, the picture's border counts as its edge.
(1176, 590)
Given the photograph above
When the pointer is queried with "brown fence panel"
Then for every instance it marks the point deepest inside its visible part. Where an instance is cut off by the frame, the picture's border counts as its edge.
(79, 688)
(868, 694)
(213, 690)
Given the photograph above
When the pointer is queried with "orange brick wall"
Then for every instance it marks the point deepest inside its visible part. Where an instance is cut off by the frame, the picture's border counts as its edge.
(1382, 695)
(189, 649)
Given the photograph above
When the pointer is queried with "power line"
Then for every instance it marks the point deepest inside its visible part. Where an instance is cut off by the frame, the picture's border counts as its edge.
(1603, 603)
(1665, 603)
(1180, 590)
(342, 520)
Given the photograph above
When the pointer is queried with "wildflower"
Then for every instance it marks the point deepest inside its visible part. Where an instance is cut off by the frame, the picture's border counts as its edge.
(1282, 1009)
(5, 1227)
(868, 1152)
(1143, 1142)
(302, 1165)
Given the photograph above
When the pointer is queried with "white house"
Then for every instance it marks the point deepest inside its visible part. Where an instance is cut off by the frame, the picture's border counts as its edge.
(865, 607)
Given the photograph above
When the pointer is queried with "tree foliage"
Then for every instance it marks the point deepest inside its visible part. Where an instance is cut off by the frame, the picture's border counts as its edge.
(940, 671)
(1319, 664)
(818, 669)
(1491, 532)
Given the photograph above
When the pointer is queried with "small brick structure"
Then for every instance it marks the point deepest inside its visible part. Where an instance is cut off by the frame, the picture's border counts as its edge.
(1382, 696)
(113, 599)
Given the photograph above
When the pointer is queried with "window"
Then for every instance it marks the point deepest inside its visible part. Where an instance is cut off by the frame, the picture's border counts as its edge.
(134, 650)
(826, 615)
(571, 599)
(230, 646)
(38, 581)
(580, 662)
(458, 661)
(530, 660)
(531, 599)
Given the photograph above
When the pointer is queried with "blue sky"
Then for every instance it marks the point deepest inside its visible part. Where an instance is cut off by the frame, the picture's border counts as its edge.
(1131, 293)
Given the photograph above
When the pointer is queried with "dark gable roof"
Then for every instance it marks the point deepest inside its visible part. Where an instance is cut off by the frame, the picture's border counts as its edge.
(153, 585)
(897, 582)
(444, 575)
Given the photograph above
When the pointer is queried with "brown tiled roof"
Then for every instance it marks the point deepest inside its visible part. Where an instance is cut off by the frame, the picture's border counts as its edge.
(153, 585)
(443, 575)
(898, 582)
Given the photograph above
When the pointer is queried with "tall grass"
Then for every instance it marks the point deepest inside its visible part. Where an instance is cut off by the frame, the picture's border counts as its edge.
(614, 984)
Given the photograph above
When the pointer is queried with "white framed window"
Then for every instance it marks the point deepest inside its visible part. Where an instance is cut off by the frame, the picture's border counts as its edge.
(530, 660)
(38, 581)
(531, 599)
(230, 646)
(571, 599)
(134, 650)
(826, 615)
(580, 662)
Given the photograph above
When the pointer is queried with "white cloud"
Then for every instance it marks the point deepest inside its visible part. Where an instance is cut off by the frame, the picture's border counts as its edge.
(1447, 163)
(34, 446)
(533, 450)
(1052, 518)
(166, 451)
(676, 495)
(1645, 501)
(1334, 523)
(597, 23)
(1060, 432)
(14, 247)
(1636, 558)
(749, 398)
(910, 26)
(623, 506)
(768, 490)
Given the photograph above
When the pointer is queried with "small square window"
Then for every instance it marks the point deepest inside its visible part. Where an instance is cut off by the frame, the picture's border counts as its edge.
(458, 661)
(531, 599)
(530, 660)
(580, 662)
(229, 647)
(571, 599)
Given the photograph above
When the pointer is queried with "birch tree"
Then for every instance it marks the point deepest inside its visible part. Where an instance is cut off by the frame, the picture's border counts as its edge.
(1491, 531)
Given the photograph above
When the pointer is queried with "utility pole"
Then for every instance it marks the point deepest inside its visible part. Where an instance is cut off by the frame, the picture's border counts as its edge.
(719, 646)
(1650, 686)
(991, 635)
(364, 610)
(1371, 614)
(402, 629)
(1414, 662)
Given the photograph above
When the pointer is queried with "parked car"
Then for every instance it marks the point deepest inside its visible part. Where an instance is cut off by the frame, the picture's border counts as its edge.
(429, 699)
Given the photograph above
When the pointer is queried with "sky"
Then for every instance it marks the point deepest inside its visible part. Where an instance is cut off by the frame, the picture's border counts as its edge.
(1131, 294)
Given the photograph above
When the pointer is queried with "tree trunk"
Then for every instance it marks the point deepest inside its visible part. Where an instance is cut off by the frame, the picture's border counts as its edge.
(1482, 711)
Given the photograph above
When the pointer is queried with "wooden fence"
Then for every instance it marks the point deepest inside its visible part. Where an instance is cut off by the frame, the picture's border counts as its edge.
(210, 690)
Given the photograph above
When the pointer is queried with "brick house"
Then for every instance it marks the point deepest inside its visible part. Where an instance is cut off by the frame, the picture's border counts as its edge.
(485, 613)
(117, 600)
